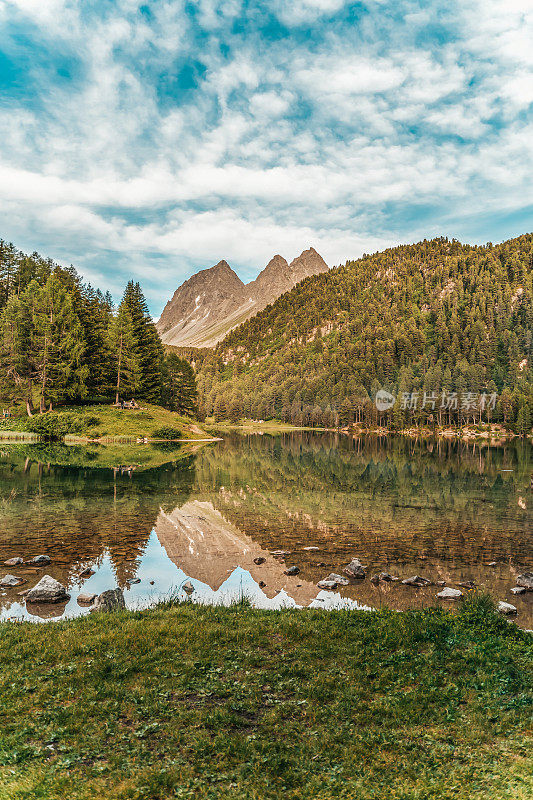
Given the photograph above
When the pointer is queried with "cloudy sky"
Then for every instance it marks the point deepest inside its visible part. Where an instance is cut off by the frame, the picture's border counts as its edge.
(151, 139)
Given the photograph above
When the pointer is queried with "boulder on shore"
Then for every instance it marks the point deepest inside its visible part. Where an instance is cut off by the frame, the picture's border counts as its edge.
(518, 590)
(416, 580)
(110, 600)
(506, 608)
(48, 590)
(450, 594)
(355, 569)
(526, 581)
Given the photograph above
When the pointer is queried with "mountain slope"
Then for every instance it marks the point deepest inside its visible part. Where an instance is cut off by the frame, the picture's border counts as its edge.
(208, 305)
(431, 316)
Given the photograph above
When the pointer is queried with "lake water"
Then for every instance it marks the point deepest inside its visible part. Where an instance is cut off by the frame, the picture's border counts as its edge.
(163, 516)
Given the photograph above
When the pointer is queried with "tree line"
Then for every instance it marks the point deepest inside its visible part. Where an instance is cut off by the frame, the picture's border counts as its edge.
(61, 341)
(433, 318)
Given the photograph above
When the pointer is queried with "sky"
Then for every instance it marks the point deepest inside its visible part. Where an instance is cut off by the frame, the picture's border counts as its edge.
(148, 140)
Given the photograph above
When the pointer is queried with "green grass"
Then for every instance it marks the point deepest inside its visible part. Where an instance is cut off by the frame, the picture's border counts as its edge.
(192, 702)
(106, 423)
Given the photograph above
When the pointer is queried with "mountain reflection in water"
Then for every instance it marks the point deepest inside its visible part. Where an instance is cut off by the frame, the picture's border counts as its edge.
(441, 509)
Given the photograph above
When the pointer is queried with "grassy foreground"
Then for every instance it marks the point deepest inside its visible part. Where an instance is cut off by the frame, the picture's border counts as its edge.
(199, 702)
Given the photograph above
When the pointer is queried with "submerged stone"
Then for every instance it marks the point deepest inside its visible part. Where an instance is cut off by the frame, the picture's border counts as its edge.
(9, 581)
(416, 580)
(39, 560)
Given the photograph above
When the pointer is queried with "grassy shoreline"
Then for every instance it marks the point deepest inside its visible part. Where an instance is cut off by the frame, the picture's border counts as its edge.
(187, 701)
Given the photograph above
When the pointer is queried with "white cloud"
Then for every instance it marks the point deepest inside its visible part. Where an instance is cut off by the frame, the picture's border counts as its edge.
(279, 144)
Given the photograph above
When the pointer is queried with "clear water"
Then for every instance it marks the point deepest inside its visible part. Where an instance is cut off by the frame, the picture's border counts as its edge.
(441, 509)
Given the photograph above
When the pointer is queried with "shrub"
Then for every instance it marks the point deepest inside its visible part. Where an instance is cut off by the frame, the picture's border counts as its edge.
(55, 425)
(167, 432)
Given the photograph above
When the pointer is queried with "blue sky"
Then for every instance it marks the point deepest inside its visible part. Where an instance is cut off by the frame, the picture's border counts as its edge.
(152, 139)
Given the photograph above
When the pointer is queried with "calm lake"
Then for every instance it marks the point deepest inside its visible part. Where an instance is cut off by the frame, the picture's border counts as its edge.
(444, 510)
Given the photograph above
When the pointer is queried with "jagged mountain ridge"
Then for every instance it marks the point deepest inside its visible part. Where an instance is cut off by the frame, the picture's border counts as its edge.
(214, 301)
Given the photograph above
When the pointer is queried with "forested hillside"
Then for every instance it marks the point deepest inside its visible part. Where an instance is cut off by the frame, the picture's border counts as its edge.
(438, 317)
(63, 341)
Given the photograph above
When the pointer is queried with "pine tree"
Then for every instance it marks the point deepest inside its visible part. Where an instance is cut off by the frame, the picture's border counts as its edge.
(178, 385)
(149, 350)
(57, 344)
(125, 354)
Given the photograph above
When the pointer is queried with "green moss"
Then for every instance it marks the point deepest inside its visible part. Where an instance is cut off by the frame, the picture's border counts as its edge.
(185, 701)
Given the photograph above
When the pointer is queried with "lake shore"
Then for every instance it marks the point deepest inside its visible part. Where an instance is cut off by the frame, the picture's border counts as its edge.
(136, 705)
(489, 433)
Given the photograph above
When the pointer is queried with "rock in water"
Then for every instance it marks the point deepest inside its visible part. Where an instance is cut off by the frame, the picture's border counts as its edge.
(355, 569)
(518, 590)
(506, 608)
(384, 576)
(327, 584)
(40, 561)
(48, 590)
(292, 571)
(86, 599)
(450, 594)
(526, 581)
(417, 580)
(9, 581)
(340, 580)
(14, 562)
(110, 600)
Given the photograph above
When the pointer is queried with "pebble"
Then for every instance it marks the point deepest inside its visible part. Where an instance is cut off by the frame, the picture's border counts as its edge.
(292, 571)
(14, 562)
(259, 560)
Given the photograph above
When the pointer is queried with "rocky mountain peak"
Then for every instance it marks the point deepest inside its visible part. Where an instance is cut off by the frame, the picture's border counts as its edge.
(213, 301)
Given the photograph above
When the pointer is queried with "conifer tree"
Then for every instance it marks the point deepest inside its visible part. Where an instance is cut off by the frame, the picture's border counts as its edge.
(149, 350)
(125, 354)
(178, 385)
